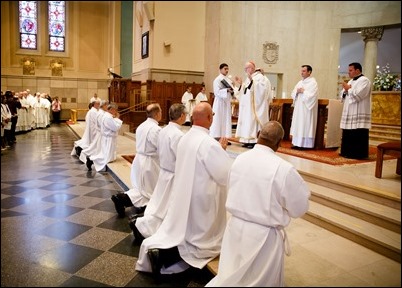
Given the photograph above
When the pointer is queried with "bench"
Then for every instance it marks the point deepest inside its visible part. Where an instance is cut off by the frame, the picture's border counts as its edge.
(392, 148)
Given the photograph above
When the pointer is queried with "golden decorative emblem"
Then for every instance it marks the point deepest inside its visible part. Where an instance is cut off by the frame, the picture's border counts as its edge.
(270, 52)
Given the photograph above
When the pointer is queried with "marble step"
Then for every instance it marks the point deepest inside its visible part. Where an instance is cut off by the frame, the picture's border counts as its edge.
(374, 237)
(373, 195)
(369, 211)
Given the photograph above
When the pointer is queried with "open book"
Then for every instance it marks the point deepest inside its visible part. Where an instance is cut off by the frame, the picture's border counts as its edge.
(227, 85)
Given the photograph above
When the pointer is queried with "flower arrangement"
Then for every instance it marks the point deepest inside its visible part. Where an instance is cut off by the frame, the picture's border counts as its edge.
(384, 80)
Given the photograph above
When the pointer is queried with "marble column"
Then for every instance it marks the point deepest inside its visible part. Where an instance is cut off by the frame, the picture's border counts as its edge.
(371, 36)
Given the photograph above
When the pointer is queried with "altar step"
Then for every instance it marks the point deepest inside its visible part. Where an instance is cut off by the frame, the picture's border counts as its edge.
(385, 133)
(364, 216)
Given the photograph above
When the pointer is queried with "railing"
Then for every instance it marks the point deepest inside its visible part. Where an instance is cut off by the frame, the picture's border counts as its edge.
(134, 115)
(137, 107)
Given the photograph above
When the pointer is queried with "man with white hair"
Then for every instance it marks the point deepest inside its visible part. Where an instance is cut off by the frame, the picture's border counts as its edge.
(253, 105)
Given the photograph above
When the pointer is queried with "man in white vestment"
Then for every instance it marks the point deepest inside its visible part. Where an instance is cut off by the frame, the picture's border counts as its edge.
(95, 98)
(356, 114)
(95, 146)
(222, 107)
(254, 242)
(305, 110)
(201, 96)
(90, 130)
(46, 106)
(253, 105)
(110, 127)
(188, 100)
(31, 110)
(191, 233)
(145, 167)
(22, 124)
(157, 206)
(39, 111)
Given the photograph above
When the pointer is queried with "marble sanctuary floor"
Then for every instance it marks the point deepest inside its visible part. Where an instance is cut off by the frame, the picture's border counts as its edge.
(59, 226)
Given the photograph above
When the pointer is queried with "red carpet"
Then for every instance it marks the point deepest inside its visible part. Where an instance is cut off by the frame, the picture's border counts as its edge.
(328, 155)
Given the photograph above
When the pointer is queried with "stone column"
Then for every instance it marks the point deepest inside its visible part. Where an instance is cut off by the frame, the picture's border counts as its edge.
(371, 36)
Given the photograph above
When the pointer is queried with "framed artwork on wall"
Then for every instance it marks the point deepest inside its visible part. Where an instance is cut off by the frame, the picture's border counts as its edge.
(145, 44)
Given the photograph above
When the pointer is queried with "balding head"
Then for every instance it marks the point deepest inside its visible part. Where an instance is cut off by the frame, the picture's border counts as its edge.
(202, 115)
(271, 135)
(249, 67)
(154, 111)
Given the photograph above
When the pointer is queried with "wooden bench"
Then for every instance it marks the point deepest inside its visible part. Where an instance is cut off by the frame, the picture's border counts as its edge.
(392, 148)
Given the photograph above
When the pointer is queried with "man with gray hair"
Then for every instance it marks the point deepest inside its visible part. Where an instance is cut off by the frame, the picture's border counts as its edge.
(155, 212)
(254, 242)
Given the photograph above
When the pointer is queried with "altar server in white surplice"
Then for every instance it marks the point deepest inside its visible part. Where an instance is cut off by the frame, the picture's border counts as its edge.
(222, 124)
(201, 96)
(253, 105)
(157, 206)
(188, 100)
(304, 119)
(191, 233)
(95, 145)
(254, 242)
(110, 127)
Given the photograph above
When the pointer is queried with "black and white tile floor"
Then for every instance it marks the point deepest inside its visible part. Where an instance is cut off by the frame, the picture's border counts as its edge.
(58, 224)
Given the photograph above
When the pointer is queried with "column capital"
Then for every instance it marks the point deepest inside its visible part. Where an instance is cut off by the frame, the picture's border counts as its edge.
(372, 33)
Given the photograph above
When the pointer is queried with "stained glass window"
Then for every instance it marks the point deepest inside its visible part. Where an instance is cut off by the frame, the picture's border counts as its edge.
(57, 25)
(28, 23)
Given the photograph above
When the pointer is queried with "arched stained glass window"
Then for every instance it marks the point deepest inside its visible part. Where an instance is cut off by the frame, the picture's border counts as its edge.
(28, 23)
(57, 25)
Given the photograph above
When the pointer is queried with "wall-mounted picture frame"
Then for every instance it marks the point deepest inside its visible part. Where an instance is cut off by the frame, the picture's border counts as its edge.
(145, 45)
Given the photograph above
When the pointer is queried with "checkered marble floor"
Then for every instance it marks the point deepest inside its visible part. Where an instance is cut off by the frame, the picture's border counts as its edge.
(58, 224)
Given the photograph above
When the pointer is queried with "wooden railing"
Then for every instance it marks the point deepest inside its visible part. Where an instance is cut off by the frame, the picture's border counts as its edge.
(134, 115)
(135, 108)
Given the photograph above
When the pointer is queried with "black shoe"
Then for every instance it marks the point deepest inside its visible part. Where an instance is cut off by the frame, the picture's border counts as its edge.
(118, 205)
(133, 217)
(78, 150)
(89, 164)
(248, 145)
(154, 258)
(137, 234)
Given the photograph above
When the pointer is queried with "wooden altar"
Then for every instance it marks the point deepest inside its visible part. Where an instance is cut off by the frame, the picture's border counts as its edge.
(284, 108)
